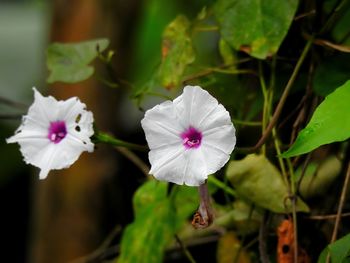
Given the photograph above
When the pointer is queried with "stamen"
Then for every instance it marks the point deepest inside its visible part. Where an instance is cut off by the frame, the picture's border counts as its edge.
(57, 131)
(191, 138)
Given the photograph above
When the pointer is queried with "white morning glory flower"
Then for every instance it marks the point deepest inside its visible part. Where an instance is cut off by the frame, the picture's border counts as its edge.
(189, 138)
(54, 133)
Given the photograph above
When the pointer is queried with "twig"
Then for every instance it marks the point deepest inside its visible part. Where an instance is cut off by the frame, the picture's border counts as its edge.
(323, 42)
(340, 208)
(12, 103)
(135, 160)
(333, 16)
(327, 217)
(101, 249)
(310, 13)
(185, 250)
(262, 240)
(284, 96)
(341, 204)
(209, 71)
(303, 171)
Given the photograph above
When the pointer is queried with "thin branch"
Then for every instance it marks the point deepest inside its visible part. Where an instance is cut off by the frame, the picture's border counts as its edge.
(185, 250)
(264, 258)
(12, 103)
(326, 43)
(341, 204)
(284, 96)
(327, 217)
(144, 168)
(100, 251)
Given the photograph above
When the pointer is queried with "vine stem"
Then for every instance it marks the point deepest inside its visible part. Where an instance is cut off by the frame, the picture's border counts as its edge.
(294, 212)
(284, 96)
(108, 139)
(143, 167)
(341, 204)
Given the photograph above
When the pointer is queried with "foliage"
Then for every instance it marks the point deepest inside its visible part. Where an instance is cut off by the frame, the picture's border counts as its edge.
(254, 26)
(254, 178)
(328, 124)
(280, 69)
(339, 251)
(69, 62)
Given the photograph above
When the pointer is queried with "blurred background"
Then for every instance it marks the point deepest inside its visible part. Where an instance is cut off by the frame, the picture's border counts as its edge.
(70, 213)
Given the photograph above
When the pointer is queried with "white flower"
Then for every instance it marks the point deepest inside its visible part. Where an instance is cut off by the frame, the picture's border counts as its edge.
(189, 138)
(54, 133)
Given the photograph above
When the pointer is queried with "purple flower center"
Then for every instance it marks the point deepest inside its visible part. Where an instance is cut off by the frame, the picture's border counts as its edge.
(57, 131)
(191, 138)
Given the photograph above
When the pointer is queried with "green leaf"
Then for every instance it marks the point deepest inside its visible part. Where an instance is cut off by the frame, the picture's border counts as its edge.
(157, 218)
(329, 123)
(318, 177)
(146, 238)
(255, 26)
(177, 54)
(339, 251)
(331, 73)
(68, 62)
(226, 53)
(257, 180)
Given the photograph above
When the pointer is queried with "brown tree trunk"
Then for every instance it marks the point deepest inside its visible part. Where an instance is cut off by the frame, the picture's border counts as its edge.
(66, 221)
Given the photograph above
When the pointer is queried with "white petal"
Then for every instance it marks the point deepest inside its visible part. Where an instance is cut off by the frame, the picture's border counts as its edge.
(195, 105)
(178, 165)
(161, 126)
(32, 135)
(223, 138)
(43, 109)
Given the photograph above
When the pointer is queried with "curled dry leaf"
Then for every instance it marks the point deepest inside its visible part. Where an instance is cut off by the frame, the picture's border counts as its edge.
(285, 246)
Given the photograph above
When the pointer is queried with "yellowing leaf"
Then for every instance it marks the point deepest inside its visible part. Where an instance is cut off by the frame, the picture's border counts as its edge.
(257, 180)
(228, 249)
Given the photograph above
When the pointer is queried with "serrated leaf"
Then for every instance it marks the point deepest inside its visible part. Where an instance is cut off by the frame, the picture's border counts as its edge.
(257, 27)
(260, 182)
(339, 251)
(329, 123)
(69, 62)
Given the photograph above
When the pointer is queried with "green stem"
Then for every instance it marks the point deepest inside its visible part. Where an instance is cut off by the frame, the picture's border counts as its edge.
(294, 212)
(100, 137)
(266, 103)
(284, 96)
(246, 123)
(212, 180)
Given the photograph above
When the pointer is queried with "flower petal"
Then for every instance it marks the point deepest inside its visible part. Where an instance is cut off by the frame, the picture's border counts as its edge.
(222, 138)
(32, 135)
(44, 109)
(178, 165)
(197, 104)
(161, 126)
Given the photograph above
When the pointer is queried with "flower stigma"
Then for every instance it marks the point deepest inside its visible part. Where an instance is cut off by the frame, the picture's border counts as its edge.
(191, 138)
(57, 131)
